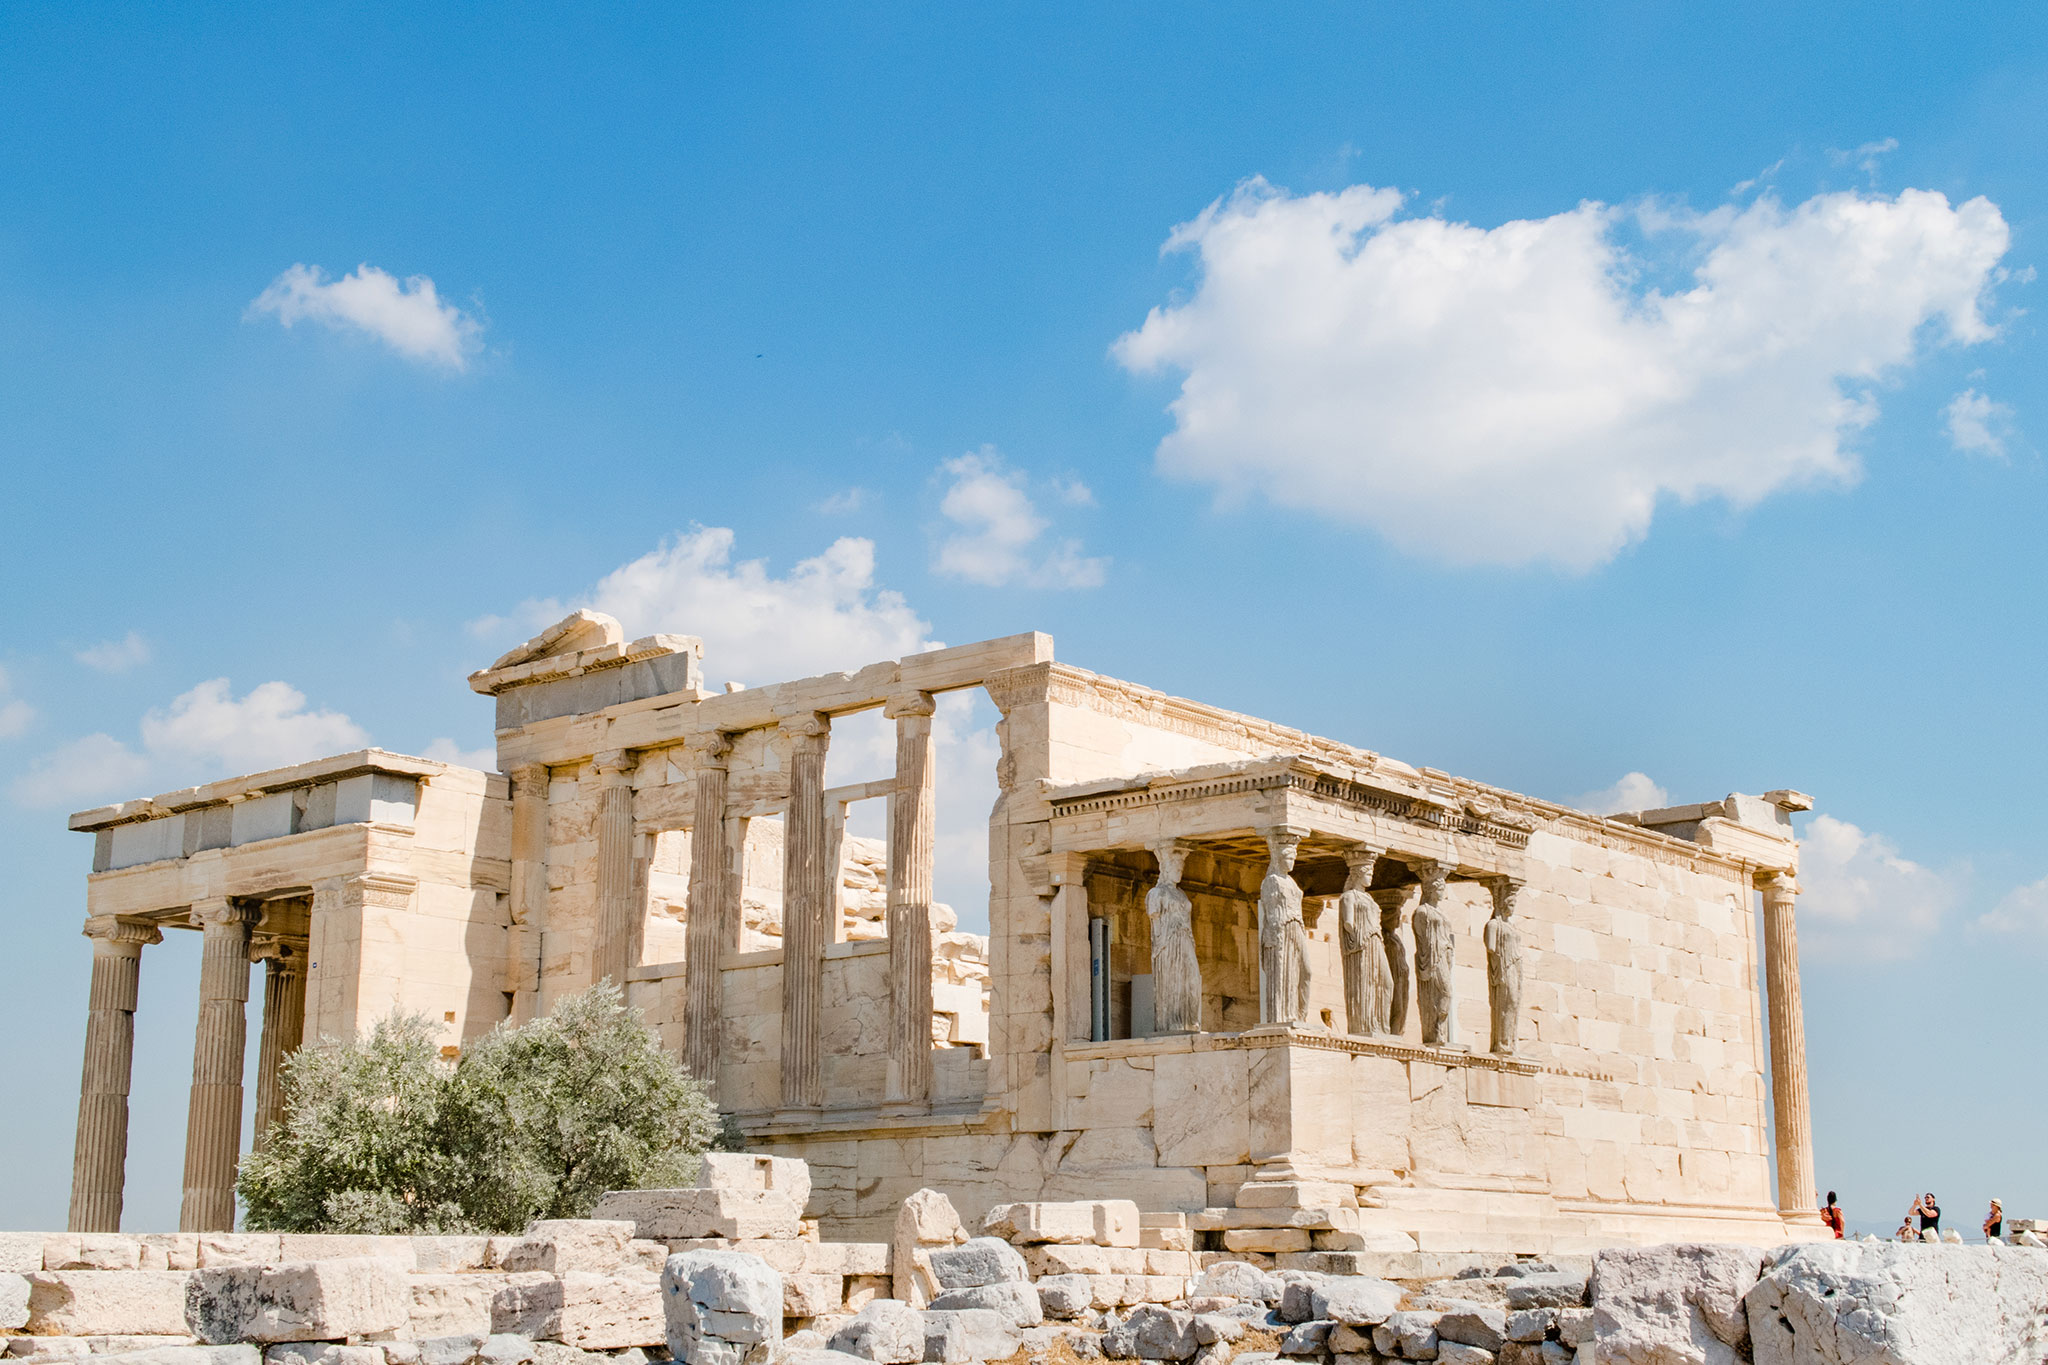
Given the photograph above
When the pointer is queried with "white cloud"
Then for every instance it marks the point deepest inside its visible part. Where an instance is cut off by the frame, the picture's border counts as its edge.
(2021, 912)
(1977, 425)
(268, 728)
(447, 751)
(1635, 791)
(825, 615)
(997, 530)
(408, 316)
(1860, 899)
(93, 769)
(15, 715)
(845, 502)
(1519, 394)
(116, 656)
(1867, 157)
(1073, 492)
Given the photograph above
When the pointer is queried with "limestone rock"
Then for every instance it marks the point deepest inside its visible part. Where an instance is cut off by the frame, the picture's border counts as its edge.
(305, 1301)
(1462, 1353)
(787, 1176)
(1574, 1326)
(718, 1304)
(91, 1251)
(693, 1212)
(1064, 1296)
(1307, 1339)
(887, 1331)
(1105, 1222)
(446, 1255)
(1359, 1302)
(182, 1355)
(1474, 1324)
(1530, 1324)
(76, 1303)
(21, 1253)
(1162, 1333)
(1672, 1305)
(803, 1356)
(1014, 1300)
(1238, 1280)
(449, 1305)
(1211, 1328)
(1548, 1289)
(925, 1220)
(981, 1261)
(594, 1312)
(971, 1334)
(13, 1301)
(1898, 1304)
(1408, 1334)
(322, 1353)
(559, 1245)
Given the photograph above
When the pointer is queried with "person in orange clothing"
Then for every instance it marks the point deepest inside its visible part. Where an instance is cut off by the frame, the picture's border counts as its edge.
(1831, 1214)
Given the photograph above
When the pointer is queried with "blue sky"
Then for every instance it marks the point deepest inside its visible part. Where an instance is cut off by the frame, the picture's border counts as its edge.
(1663, 422)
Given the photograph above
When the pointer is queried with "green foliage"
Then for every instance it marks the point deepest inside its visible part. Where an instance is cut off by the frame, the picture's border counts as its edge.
(381, 1136)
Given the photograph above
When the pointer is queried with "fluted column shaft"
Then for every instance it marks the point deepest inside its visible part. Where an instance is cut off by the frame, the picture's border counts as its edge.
(284, 1029)
(99, 1163)
(213, 1128)
(708, 935)
(1794, 1120)
(912, 831)
(611, 954)
(529, 891)
(806, 913)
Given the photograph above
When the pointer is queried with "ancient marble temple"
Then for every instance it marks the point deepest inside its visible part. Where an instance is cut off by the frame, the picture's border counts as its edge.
(1317, 998)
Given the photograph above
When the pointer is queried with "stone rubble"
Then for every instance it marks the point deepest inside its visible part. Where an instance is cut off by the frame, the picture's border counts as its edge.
(1046, 1284)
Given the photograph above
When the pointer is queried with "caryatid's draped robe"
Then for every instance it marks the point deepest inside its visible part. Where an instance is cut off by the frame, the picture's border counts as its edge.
(1283, 939)
(1368, 978)
(1435, 952)
(1176, 975)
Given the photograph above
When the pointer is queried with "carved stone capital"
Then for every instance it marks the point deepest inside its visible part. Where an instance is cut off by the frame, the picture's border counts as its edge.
(117, 937)
(615, 766)
(386, 890)
(283, 954)
(909, 704)
(1777, 883)
(712, 749)
(1173, 856)
(1504, 890)
(1360, 861)
(208, 913)
(806, 729)
(1433, 875)
(529, 779)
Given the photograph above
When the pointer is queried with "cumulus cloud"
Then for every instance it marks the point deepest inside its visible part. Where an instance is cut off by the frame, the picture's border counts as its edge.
(2020, 912)
(1977, 425)
(997, 532)
(95, 768)
(1634, 791)
(1525, 393)
(448, 751)
(824, 615)
(1859, 898)
(15, 715)
(407, 315)
(115, 656)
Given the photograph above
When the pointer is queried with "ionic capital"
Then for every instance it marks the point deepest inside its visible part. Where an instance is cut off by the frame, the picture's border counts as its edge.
(909, 704)
(1777, 884)
(221, 912)
(615, 766)
(113, 936)
(808, 730)
(529, 779)
(284, 955)
(712, 749)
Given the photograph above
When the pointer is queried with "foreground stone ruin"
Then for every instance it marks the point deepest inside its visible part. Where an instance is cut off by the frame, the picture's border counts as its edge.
(729, 1273)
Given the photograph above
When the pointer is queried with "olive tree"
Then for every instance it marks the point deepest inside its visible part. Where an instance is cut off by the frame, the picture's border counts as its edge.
(535, 1121)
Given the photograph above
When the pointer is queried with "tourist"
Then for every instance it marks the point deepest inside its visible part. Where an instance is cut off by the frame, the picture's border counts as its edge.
(1905, 1232)
(1831, 1214)
(1994, 1221)
(1927, 1211)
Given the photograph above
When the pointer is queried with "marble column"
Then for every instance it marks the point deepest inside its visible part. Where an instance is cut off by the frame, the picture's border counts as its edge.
(806, 911)
(213, 1128)
(284, 1028)
(1794, 1122)
(1436, 994)
(709, 935)
(912, 821)
(611, 951)
(529, 890)
(1400, 960)
(99, 1162)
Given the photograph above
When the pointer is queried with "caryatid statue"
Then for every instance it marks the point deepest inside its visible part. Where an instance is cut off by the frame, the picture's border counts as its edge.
(1176, 975)
(1395, 991)
(1504, 965)
(1283, 940)
(1367, 977)
(1435, 952)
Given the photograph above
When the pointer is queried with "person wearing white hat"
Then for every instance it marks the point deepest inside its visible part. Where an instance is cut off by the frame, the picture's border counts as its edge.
(1994, 1221)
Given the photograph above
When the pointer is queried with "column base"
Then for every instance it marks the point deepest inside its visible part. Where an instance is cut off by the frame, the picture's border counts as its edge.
(896, 1109)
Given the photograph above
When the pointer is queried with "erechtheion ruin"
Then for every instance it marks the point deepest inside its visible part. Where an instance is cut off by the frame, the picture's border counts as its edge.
(1310, 996)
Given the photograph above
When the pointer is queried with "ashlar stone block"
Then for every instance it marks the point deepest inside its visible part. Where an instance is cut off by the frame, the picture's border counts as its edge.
(306, 1301)
(77, 1303)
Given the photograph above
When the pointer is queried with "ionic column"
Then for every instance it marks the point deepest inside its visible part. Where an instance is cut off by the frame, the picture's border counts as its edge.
(912, 823)
(806, 912)
(529, 890)
(284, 1029)
(707, 934)
(611, 952)
(213, 1129)
(99, 1162)
(1794, 1122)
